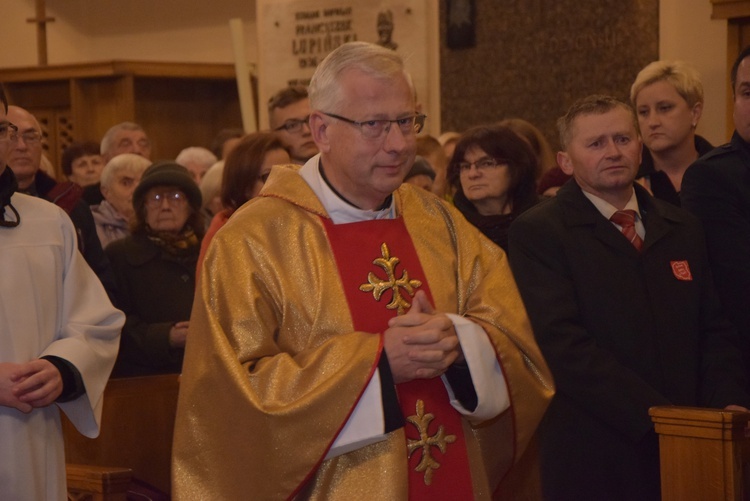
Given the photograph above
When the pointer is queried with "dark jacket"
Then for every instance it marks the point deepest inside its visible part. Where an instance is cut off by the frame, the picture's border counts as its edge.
(493, 227)
(92, 194)
(621, 331)
(155, 290)
(716, 188)
(661, 187)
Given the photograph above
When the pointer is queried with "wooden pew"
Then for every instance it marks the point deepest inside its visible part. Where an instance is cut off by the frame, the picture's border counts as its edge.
(704, 453)
(97, 483)
(136, 434)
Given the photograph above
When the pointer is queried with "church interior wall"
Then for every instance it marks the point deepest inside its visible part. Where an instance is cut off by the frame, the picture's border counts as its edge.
(533, 57)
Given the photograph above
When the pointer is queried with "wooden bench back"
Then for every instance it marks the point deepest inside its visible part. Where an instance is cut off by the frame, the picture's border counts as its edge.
(137, 427)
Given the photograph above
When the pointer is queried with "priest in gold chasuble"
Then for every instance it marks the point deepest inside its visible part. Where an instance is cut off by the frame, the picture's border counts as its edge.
(352, 337)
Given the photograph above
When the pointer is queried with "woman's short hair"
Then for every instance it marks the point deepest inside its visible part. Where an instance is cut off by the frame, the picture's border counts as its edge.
(684, 78)
(242, 167)
(210, 185)
(129, 162)
(196, 154)
(76, 151)
(501, 142)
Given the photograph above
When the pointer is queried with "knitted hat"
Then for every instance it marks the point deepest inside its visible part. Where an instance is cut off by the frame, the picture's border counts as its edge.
(167, 174)
(421, 166)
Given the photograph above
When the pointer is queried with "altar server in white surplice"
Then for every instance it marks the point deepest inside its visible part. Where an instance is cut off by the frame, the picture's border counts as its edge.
(59, 336)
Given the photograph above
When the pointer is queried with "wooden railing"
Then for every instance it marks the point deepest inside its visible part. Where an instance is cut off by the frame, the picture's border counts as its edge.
(704, 453)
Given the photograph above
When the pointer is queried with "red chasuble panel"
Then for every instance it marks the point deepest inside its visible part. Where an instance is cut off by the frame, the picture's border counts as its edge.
(381, 272)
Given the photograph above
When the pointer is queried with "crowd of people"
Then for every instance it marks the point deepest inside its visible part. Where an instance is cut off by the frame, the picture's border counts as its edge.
(530, 293)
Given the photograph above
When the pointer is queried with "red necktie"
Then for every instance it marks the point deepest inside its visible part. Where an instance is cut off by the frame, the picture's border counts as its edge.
(626, 219)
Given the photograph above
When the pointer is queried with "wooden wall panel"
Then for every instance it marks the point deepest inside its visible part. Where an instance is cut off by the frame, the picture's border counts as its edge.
(195, 109)
(178, 104)
(533, 58)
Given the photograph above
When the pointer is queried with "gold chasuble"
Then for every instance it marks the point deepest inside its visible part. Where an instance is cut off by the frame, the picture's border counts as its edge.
(276, 359)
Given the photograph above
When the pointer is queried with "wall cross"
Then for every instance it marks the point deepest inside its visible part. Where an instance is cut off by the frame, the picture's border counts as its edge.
(41, 21)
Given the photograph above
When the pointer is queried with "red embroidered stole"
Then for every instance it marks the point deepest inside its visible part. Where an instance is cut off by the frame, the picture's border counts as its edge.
(380, 272)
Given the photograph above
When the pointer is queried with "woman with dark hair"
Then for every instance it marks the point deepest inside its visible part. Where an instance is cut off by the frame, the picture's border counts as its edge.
(155, 270)
(493, 171)
(245, 170)
(82, 163)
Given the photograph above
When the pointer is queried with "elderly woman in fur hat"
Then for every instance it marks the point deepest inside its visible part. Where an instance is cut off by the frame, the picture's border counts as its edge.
(155, 270)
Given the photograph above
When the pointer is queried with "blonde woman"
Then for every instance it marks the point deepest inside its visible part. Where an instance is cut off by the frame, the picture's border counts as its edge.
(668, 98)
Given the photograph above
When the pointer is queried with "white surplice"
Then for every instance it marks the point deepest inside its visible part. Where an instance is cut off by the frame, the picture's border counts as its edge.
(51, 303)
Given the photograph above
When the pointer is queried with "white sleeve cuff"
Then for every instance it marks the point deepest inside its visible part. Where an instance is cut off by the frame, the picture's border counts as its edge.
(366, 422)
(486, 374)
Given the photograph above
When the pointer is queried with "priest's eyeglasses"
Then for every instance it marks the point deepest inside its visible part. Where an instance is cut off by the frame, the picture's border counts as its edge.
(8, 131)
(173, 198)
(376, 129)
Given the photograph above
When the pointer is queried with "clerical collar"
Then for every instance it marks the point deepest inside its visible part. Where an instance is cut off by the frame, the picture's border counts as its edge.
(338, 209)
(386, 202)
(8, 186)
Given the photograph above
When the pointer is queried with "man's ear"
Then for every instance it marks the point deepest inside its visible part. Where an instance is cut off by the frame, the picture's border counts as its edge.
(319, 131)
(563, 160)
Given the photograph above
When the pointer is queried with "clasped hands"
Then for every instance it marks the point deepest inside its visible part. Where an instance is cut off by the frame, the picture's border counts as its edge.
(421, 344)
(36, 383)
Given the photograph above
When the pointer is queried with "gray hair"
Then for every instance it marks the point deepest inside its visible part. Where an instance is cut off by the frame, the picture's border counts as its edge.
(196, 154)
(109, 137)
(211, 183)
(371, 59)
(129, 162)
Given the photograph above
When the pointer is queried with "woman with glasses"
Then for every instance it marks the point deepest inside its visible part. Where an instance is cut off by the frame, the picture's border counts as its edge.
(155, 271)
(493, 171)
(245, 171)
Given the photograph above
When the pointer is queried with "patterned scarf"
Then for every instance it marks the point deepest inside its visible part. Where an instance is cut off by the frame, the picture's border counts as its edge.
(175, 244)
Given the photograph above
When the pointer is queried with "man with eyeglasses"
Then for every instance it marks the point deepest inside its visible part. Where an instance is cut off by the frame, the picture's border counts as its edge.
(59, 336)
(288, 115)
(358, 338)
(25, 160)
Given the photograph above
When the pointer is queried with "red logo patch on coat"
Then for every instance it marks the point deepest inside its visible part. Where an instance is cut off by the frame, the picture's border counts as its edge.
(681, 270)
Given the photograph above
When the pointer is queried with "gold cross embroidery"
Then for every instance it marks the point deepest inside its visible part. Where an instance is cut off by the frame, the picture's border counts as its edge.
(378, 286)
(427, 464)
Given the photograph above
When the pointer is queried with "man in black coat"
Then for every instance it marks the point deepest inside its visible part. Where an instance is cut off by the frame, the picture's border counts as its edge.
(716, 188)
(624, 313)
